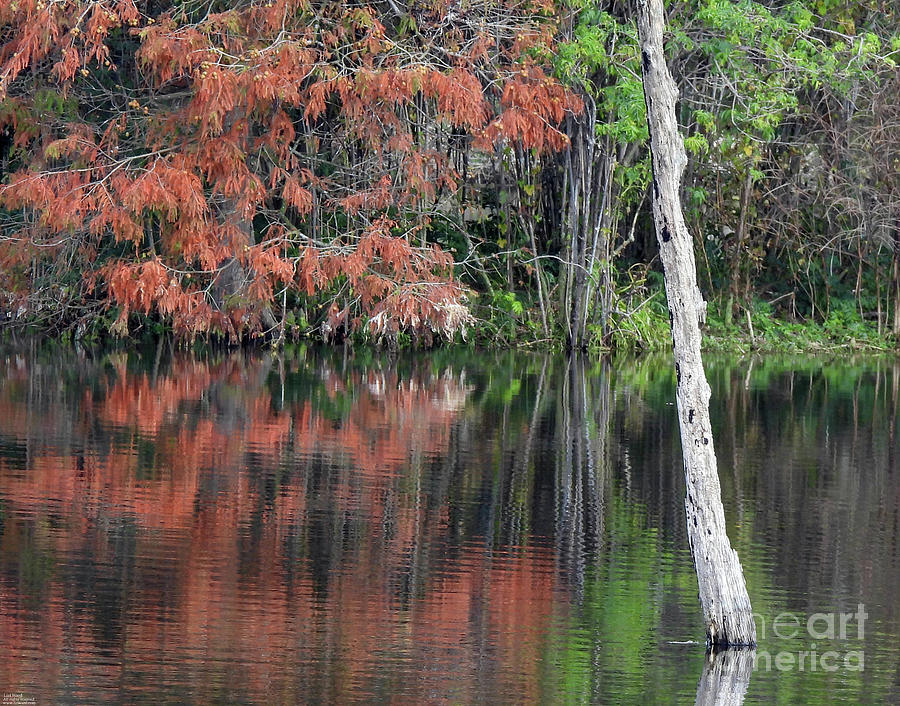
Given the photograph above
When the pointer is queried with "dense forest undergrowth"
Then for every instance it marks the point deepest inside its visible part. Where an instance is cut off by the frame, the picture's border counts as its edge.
(416, 172)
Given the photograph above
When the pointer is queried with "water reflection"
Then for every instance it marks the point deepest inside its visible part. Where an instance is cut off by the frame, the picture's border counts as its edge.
(726, 676)
(329, 526)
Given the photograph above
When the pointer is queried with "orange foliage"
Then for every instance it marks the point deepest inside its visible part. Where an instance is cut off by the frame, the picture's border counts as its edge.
(302, 126)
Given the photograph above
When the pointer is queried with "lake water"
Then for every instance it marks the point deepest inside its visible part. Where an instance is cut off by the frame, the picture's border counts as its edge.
(338, 527)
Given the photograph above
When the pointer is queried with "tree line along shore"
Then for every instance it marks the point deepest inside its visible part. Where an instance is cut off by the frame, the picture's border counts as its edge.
(415, 173)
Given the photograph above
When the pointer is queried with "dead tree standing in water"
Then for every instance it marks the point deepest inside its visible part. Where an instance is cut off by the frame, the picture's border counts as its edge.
(723, 592)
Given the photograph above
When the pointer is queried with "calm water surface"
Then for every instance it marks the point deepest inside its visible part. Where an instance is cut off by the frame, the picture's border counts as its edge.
(336, 527)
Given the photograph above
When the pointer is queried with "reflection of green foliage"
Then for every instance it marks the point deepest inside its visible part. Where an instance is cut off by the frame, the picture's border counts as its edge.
(36, 570)
(622, 589)
(619, 628)
(146, 466)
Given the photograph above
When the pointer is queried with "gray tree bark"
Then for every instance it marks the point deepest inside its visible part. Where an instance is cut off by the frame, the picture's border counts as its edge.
(723, 593)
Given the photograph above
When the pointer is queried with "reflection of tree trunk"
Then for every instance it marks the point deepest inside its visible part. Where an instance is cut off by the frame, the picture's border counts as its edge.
(569, 527)
(155, 373)
(723, 592)
(521, 478)
(582, 466)
(738, 393)
(895, 388)
(725, 678)
(598, 461)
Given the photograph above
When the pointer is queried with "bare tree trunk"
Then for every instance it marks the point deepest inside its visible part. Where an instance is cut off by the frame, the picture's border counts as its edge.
(723, 593)
(232, 279)
(526, 208)
(587, 170)
(528, 224)
(737, 267)
(895, 273)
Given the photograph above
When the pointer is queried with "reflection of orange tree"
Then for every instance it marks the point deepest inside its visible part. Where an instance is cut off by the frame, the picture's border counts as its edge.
(511, 597)
(215, 482)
